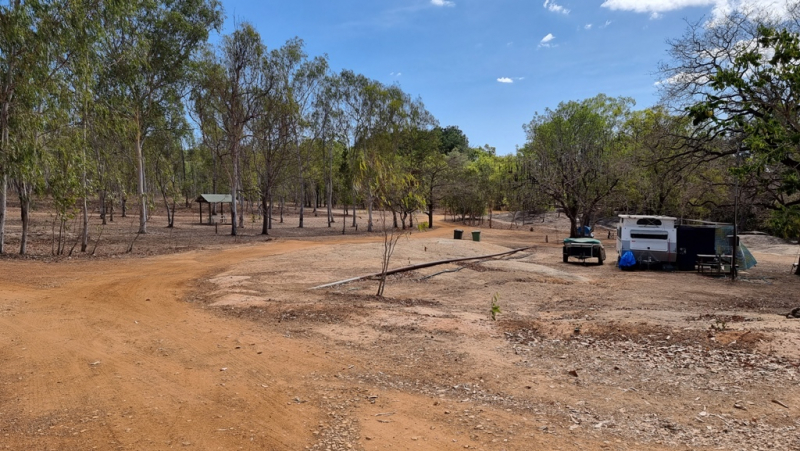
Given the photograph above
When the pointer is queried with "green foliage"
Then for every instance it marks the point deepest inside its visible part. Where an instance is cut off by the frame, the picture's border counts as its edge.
(451, 138)
(750, 105)
(785, 222)
(658, 177)
(573, 155)
(495, 306)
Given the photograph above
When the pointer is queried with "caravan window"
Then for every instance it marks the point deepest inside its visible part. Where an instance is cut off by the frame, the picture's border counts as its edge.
(649, 222)
(648, 235)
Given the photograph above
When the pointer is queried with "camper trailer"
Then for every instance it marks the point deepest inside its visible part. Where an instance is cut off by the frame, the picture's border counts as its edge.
(657, 241)
(651, 239)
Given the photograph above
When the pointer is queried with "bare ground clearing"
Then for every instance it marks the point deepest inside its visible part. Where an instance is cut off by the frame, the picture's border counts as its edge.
(216, 345)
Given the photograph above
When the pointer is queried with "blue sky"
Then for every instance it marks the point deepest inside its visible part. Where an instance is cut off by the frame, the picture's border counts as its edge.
(489, 66)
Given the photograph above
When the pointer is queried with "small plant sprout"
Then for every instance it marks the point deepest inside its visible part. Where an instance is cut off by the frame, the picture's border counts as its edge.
(720, 325)
(495, 306)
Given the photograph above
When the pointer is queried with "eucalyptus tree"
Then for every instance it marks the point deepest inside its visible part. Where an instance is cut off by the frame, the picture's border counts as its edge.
(271, 136)
(420, 147)
(88, 22)
(206, 110)
(572, 155)
(280, 132)
(358, 101)
(325, 116)
(147, 67)
(30, 57)
(229, 93)
(302, 89)
(21, 49)
(166, 163)
(411, 135)
(38, 41)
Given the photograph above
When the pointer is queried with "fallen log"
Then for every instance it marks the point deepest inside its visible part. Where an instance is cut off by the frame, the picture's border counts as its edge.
(422, 265)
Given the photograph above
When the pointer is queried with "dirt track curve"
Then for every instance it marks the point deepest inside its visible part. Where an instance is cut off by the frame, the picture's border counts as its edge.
(119, 353)
(108, 355)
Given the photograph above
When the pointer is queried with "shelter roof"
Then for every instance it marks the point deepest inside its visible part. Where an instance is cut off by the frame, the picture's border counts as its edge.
(214, 198)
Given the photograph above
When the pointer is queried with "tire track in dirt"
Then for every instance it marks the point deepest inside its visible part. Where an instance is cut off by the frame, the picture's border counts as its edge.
(97, 344)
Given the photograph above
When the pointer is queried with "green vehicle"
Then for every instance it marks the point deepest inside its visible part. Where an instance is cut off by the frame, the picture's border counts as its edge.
(583, 248)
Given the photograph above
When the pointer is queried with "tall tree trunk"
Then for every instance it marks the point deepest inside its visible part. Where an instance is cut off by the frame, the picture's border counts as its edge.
(302, 201)
(430, 214)
(369, 210)
(265, 215)
(214, 182)
(5, 113)
(241, 206)
(24, 204)
(271, 207)
(141, 188)
(234, 184)
(85, 225)
(316, 200)
(84, 188)
(266, 205)
(354, 209)
(329, 192)
(3, 194)
(103, 207)
(166, 204)
(302, 182)
(187, 204)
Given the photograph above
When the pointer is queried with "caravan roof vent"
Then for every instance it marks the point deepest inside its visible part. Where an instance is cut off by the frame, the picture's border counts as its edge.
(649, 222)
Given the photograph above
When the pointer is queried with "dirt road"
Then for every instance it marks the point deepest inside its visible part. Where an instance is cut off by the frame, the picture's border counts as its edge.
(227, 349)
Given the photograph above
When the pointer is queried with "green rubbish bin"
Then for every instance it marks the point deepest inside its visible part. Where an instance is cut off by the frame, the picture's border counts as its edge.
(476, 235)
(457, 233)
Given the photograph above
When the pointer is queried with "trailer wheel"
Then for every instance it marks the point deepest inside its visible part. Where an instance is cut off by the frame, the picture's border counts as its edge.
(565, 257)
(599, 260)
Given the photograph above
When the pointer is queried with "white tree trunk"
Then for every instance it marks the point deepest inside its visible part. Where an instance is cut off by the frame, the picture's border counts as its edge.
(141, 188)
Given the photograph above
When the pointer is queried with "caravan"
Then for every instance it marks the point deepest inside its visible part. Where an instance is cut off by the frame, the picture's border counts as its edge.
(651, 239)
(657, 241)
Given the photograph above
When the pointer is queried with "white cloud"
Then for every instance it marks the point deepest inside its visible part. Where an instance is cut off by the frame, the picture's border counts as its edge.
(655, 6)
(556, 8)
(684, 77)
(545, 42)
(505, 80)
(588, 26)
(720, 8)
(442, 3)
